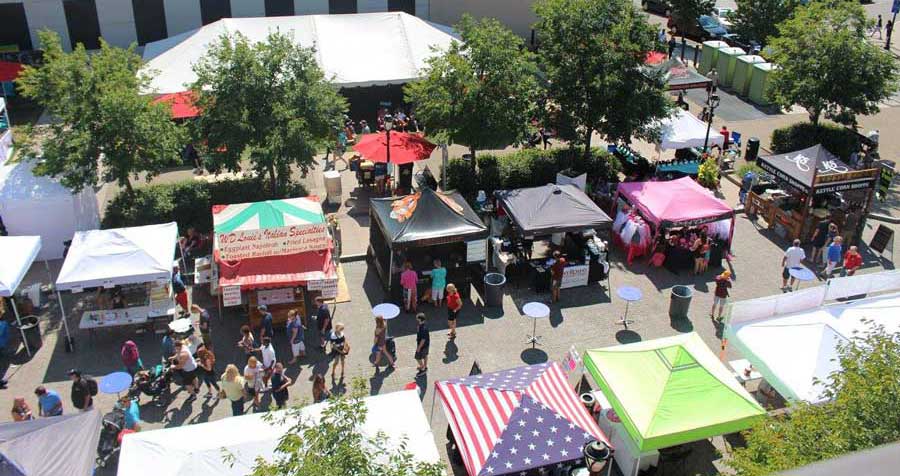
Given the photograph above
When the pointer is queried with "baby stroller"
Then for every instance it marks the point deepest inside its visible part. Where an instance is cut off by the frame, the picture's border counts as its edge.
(108, 447)
(154, 383)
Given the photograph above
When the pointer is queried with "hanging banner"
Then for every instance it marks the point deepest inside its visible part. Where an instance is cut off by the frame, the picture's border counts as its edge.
(285, 240)
(231, 296)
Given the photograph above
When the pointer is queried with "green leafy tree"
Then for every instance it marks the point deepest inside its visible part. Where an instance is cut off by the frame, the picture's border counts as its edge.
(103, 127)
(861, 413)
(335, 445)
(593, 52)
(481, 92)
(826, 64)
(269, 101)
(686, 12)
(759, 19)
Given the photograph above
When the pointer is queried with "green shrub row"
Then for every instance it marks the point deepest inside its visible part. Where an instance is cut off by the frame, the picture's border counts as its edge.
(838, 140)
(188, 203)
(527, 168)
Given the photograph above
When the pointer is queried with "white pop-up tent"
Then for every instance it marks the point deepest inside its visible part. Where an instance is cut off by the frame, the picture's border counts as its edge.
(65, 444)
(364, 49)
(683, 130)
(198, 450)
(793, 350)
(37, 205)
(17, 253)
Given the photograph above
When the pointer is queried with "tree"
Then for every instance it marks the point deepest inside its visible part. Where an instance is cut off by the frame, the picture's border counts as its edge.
(103, 128)
(826, 64)
(593, 54)
(861, 413)
(335, 445)
(268, 101)
(482, 91)
(686, 12)
(759, 19)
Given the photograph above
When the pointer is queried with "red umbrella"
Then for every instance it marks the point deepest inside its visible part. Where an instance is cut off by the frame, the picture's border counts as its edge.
(405, 148)
(182, 104)
(9, 71)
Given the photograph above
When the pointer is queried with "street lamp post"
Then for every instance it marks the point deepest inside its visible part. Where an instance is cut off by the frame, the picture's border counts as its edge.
(596, 457)
(388, 125)
(711, 103)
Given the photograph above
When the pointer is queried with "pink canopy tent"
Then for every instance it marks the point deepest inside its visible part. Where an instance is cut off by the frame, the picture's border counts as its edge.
(681, 202)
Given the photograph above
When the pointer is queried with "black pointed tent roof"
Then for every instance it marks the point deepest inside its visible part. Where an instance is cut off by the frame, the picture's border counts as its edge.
(552, 209)
(443, 216)
(800, 168)
(679, 76)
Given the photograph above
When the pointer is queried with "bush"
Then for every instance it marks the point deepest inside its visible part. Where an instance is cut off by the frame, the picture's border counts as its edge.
(749, 167)
(838, 140)
(708, 173)
(460, 177)
(188, 203)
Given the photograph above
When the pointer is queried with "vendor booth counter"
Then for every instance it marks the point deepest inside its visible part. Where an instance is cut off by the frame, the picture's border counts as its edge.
(420, 228)
(810, 186)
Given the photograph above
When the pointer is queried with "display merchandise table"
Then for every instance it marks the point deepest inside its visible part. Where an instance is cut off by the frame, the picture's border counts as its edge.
(132, 316)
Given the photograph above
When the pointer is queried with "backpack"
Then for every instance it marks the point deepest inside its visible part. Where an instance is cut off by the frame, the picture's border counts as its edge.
(92, 385)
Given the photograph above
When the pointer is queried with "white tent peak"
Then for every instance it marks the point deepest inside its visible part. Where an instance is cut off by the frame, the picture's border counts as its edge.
(362, 49)
(682, 130)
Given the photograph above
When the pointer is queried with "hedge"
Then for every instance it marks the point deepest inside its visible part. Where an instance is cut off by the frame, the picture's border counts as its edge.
(527, 168)
(838, 140)
(188, 203)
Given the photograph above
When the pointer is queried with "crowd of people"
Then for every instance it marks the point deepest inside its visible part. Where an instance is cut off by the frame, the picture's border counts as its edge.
(827, 254)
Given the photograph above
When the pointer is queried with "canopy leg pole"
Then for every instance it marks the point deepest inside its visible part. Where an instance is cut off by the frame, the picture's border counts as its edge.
(431, 416)
(637, 466)
(19, 321)
(62, 313)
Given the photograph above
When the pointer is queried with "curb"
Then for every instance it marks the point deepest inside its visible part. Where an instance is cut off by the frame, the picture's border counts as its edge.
(352, 258)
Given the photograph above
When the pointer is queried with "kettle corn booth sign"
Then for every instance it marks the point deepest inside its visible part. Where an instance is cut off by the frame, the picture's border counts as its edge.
(270, 228)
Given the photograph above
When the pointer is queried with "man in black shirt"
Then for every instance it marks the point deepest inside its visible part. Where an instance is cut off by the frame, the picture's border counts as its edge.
(423, 340)
(81, 392)
(266, 325)
(323, 321)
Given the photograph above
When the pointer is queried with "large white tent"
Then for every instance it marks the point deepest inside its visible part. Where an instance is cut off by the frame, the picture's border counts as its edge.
(107, 258)
(61, 445)
(37, 205)
(794, 349)
(198, 450)
(364, 49)
(683, 130)
(17, 253)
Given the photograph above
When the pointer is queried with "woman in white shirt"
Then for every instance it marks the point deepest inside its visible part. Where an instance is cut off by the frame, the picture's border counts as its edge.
(253, 379)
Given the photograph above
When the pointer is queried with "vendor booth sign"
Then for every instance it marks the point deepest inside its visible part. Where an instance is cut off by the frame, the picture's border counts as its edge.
(285, 240)
(574, 276)
(329, 287)
(231, 296)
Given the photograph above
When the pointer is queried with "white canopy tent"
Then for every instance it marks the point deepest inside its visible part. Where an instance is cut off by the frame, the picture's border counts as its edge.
(683, 130)
(792, 350)
(17, 253)
(198, 450)
(397, 46)
(37, 205)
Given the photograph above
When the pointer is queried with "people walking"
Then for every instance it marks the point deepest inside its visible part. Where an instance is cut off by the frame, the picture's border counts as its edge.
(207, 362)
(835, 255)
(438, 283)
(81, 391)
(280, 384)
(556, 275)
(340, 347)
(381, 343)
(820, 239)
(409, 281)
(672, 44)
(49, 403)
(296, 334)
(423, 342)
(265, 327)
(852, 261)
(877, 27)
(247, 342)
(267, 350)
(792, 258)
(720, 297)
(323, 322)
(233, 389)
(187, 367)
(179, 289)
(131, 357)
(204, 322)
(20, 410)
(454, 304)
(319, 391)
(253, 383)
(699, 254)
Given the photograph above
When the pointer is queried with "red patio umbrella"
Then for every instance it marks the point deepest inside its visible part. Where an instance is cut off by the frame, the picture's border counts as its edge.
(9, 71)
(405, 147)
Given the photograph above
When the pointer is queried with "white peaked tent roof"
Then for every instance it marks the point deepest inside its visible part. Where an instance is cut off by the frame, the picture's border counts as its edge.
(16, 255)
(364, 49)
(197, 450)
(791, 350)
(63, 445)
(683, 130)
(139, 254)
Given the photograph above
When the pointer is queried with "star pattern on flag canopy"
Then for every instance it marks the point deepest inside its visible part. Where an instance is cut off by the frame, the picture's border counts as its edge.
(514, 380)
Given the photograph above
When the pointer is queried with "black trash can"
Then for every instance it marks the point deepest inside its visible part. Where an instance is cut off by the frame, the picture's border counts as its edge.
(493, 289)
(752, 149)
(32, 329)
(680, 302)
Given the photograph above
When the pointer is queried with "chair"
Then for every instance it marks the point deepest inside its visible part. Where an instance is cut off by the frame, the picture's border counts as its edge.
(736, 138)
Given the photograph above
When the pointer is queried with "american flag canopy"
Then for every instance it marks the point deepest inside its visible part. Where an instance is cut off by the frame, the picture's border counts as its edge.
(516, 420)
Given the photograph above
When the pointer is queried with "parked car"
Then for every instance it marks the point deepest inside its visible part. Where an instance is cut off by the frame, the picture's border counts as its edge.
(723, 15)
(661, 7)
(707, 27)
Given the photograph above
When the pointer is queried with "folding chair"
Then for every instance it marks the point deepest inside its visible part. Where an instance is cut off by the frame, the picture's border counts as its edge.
(736, 138)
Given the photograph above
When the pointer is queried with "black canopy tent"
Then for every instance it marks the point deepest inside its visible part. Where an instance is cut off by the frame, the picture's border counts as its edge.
(421, 227)
(814, 169)
(679, 76)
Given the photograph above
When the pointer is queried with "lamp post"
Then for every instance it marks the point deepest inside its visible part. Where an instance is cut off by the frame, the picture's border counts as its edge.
(388, 125)
(711, 103)
(596, 457)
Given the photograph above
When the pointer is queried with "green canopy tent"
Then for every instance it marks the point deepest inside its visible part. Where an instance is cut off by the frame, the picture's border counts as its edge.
(671, 391)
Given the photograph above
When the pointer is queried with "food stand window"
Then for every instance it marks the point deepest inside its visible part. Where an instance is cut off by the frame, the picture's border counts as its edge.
(122, 276)
(662, 216)
(547, 218)
(273, 252)
(420, 228)
(809, 186)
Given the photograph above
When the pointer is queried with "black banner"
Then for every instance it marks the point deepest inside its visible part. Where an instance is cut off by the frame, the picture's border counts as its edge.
(844, 186)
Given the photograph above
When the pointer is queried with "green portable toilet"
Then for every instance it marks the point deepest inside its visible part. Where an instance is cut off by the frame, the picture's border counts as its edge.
(758, 80)
(725, 64)
(741, 82)
(710, 54)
